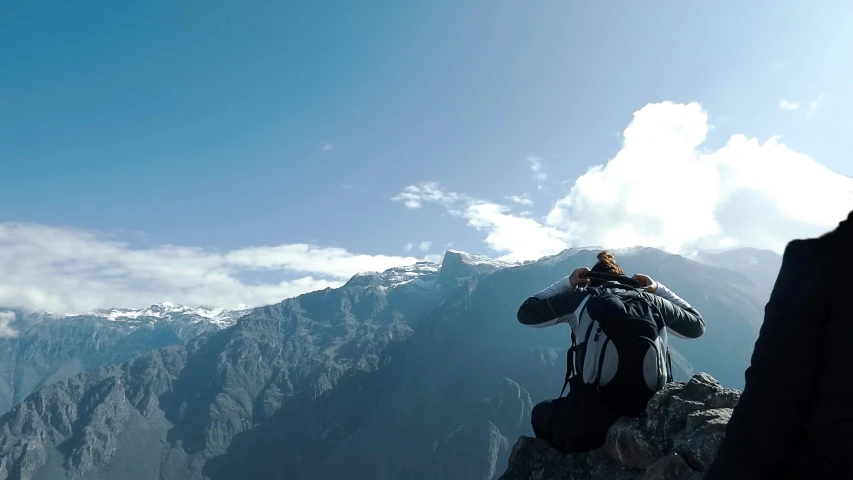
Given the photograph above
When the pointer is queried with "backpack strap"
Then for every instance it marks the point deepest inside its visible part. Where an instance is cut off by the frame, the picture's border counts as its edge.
(570, 364)
(622, 279)
(570, 355)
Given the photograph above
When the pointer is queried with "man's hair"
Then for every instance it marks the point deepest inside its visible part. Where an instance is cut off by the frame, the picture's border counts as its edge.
(606, 264)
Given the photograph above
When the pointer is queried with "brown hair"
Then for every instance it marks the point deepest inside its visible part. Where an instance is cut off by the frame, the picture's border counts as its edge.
(606, 264)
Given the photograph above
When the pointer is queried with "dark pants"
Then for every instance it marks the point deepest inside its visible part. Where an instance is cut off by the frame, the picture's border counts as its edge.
(579, 421)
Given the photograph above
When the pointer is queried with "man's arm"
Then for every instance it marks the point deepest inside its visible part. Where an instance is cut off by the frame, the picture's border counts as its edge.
(766, 426)
(553, 305)
(681, 319)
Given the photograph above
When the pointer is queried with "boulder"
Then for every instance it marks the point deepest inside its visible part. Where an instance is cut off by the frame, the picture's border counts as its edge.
(676, 439)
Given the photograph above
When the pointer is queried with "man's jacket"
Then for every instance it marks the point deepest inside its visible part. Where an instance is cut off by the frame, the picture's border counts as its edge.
(560, 303)
(795, 416)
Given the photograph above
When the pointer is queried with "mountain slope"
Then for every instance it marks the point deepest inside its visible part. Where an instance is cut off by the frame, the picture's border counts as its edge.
(760, 266)
(358, 382)
(49, 348)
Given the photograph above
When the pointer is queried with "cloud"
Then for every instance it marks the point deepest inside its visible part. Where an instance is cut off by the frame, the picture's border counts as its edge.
(347, 187)
(327, 147)
(538, 171)
(517, 238)
(7, 331)
(786, 105)
(523, 199)
(663, 189)
(414, 196)
(73, 271)
(814, 104)
(434, 258)
(423, 246)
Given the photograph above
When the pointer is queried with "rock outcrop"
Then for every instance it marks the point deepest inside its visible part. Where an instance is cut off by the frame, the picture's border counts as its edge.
(676, 439)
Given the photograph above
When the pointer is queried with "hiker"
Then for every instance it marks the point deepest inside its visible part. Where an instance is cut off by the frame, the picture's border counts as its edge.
(619, 356)
(795, 415)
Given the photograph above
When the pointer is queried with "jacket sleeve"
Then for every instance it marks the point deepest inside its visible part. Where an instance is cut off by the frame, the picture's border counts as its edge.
(555, 304)
(682, 320)
(763, 435)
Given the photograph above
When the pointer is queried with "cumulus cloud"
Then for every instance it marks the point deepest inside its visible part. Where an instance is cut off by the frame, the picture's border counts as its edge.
(523, 199)
(6, 331)
(414, 196)
(538, 170)
(71, 271)
(516, 237)
(786, 105)
(662, 189)
(815, 104)
(423, 246)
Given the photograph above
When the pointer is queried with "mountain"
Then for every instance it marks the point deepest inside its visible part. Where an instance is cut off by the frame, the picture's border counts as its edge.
(48, 348)
(760, 266)
(417, 373)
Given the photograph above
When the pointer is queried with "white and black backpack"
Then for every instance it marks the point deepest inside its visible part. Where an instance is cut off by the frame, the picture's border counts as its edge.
(619, 340)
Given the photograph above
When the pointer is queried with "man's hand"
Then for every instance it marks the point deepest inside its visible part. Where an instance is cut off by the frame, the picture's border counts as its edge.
(646, 282)
(578, 277)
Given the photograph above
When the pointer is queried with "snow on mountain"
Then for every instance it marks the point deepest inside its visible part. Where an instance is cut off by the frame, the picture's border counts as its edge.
(421, 274)
(172, 311)
(455, 265)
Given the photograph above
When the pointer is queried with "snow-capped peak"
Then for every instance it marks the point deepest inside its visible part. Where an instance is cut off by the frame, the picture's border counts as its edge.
(168, 310)
(474, 259)
(395, 277)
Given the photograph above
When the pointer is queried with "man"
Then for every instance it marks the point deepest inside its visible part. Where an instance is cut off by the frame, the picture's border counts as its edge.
(795, 416)
(619, 357)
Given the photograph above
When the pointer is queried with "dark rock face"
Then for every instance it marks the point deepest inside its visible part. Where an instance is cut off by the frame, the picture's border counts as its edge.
(49, 349)
(675, 440)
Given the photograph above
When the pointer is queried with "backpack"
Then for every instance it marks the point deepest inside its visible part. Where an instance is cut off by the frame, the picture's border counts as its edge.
(619, 341)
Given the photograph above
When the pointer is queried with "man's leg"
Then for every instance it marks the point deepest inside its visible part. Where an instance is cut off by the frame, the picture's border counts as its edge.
(582, 422)
(542, 417)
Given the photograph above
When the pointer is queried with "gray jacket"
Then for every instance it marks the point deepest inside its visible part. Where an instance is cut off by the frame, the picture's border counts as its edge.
(561, 303)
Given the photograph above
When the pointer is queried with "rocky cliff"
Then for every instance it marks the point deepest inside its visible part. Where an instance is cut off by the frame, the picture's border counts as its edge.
(675, 440)
(49, 348)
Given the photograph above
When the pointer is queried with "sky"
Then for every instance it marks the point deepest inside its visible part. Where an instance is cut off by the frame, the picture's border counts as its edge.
(239, 153)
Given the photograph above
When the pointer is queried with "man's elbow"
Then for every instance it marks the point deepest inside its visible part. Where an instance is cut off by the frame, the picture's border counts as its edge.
(698, 327)
(525, 312)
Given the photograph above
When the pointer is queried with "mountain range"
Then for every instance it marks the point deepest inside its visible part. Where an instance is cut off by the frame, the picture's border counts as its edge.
(418, 372)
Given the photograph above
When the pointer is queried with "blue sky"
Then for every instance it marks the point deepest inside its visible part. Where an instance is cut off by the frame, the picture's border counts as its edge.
(217, 127)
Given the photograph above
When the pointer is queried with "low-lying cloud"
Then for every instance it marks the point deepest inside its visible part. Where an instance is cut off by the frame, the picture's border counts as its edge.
(6, 331)
(73, 271)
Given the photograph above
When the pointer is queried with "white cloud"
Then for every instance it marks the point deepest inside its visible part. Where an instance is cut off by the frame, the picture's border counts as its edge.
(786, 105)
(814, 104)
(434, 258)
(423, 246)
(347, 187)
(517, 238)
(538, 170)
(523, 199)
(414, 196)
(327, 147)
(71, 271)
(6, 330)
(662, 189)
